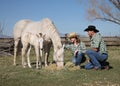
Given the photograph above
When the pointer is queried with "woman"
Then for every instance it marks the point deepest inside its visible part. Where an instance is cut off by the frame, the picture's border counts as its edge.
(78, 48)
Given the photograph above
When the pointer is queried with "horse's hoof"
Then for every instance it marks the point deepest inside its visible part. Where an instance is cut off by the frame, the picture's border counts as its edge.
(37, 68)
(46, 65)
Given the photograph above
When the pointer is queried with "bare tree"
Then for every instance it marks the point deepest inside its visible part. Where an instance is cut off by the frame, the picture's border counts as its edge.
(106, 10)
(1, 28)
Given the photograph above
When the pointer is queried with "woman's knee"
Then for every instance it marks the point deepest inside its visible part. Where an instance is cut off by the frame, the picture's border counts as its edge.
(74, 60)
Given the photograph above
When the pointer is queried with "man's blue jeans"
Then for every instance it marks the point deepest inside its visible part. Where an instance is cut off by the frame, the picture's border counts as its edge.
(78, 58)
(95, 59)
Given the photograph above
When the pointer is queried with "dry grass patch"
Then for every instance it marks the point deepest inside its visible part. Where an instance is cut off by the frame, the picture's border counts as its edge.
(68, 66)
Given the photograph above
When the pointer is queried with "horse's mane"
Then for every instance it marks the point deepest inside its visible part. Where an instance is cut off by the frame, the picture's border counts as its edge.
(52, 31)
(49, 24)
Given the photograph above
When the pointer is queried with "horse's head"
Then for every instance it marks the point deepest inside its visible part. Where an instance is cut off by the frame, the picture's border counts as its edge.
(59, 54)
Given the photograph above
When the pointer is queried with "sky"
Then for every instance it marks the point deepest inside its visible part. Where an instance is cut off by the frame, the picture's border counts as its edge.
(67, 15)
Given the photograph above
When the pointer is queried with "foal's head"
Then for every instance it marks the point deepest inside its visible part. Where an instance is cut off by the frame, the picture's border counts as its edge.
(40, 40)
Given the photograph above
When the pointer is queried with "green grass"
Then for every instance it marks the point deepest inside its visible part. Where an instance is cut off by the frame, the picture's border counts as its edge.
(18, 76)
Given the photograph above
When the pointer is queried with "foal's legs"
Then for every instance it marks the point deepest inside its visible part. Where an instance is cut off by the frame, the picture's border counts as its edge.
(38, 61)
(41, 54)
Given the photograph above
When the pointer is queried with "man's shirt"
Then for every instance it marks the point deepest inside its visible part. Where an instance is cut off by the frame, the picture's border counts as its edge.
(97, 42)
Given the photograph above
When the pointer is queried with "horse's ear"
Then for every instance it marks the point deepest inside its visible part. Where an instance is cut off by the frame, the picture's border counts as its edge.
(37, 35)
(44, 35)
(40, 34)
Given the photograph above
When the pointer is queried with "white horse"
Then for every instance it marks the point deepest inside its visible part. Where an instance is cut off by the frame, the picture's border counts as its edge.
(29, 39)
(17, 31)
(46, 27)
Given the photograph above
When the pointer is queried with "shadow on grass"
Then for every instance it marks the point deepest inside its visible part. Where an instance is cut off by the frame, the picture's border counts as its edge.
(104, 66)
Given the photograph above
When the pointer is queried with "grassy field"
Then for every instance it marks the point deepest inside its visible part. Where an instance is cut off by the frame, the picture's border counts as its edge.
(18, 76)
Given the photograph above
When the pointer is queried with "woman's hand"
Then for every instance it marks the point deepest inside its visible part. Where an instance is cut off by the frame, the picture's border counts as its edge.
(75, 53)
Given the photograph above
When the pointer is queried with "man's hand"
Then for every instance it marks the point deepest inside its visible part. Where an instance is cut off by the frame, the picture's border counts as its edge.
(95, 49)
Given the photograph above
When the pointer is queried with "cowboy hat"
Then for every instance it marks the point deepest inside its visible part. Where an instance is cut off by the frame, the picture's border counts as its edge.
(91, 28)
(72, 35)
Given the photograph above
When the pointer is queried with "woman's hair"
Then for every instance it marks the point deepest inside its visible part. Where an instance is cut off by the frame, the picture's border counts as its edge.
(78, 38)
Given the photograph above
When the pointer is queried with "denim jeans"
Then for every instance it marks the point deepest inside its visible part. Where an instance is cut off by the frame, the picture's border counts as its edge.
(78, 58)
(95, 59)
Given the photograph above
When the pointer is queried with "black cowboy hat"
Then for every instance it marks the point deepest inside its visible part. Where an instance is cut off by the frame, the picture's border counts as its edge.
(91, 28)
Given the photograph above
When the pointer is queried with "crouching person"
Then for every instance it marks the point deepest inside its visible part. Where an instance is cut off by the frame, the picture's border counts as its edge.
(98, 52)
(77, 47)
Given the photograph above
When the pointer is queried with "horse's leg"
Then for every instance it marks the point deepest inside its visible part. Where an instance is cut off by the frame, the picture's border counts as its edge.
(38, 61)
(47, 47)
(46, 54)
(25, 45)
(15, 50)
(46, 59)
(41, 54)
(28, 56)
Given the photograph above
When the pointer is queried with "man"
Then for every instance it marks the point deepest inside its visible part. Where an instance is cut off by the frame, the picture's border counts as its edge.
(98, 52)
(77, 47)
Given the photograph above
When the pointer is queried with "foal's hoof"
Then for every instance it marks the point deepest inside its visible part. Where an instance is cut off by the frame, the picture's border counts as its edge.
(39, 67)
(24, 66)
(14, 64)
(30, 66)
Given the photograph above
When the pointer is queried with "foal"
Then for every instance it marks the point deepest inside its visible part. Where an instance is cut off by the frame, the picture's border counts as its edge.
(28, 39)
